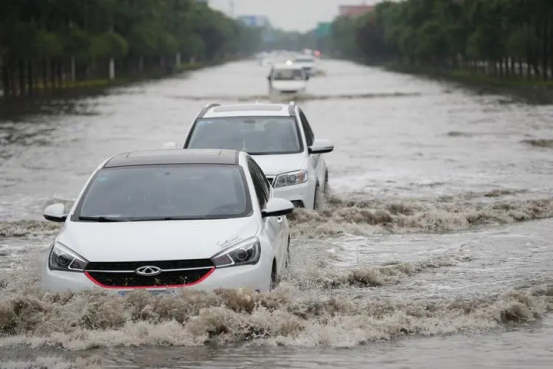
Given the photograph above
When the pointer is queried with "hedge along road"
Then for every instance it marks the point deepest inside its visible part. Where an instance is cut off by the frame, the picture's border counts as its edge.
(435, 237)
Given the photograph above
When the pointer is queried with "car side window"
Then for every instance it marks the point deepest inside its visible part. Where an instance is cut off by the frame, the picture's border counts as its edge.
(262, 178)
(258, 185)
(309, 135)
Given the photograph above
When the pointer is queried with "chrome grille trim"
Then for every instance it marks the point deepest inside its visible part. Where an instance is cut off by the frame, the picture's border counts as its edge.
(134, 271)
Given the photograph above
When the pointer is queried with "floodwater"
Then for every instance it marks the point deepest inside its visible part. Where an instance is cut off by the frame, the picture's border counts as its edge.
(432, 250)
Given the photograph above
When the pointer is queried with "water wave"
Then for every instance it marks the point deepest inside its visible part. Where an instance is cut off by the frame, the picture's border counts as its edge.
(295, 97)
(52, 363)
(545, 143)
(91, 320)
(27, 228)
(363, 217)
(320, 276)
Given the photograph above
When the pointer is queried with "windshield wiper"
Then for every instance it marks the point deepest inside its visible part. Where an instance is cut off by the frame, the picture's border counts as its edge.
(153, 219)
(103, 219)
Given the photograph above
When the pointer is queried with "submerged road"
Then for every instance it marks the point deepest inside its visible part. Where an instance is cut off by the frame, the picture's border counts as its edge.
(436, 237)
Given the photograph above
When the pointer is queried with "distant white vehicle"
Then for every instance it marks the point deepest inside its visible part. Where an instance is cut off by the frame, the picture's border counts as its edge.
(307, 63)
(287, 78)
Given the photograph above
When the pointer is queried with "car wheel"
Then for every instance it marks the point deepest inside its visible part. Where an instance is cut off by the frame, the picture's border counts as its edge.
(274, 276)
(316, 197)
(288, 257)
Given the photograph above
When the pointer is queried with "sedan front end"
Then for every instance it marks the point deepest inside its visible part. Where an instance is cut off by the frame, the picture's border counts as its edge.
(240, 266)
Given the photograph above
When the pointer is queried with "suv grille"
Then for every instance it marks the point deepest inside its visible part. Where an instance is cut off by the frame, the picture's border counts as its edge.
(175, 273)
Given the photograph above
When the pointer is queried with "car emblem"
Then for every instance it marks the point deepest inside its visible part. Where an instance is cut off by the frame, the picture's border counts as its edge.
(148, 271)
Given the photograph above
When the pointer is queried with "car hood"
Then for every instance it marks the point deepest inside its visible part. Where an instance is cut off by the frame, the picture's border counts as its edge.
(288, 85)
(152, 241)
(273, 165)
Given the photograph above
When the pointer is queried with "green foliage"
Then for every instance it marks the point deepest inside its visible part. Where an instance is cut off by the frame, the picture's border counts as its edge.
(444, 33)
(97, 29)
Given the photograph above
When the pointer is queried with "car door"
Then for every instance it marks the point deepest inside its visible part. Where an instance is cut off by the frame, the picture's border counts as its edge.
(276, 226)
(315, 160)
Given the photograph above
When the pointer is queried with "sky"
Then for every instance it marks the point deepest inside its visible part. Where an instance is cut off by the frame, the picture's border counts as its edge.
(290, 15)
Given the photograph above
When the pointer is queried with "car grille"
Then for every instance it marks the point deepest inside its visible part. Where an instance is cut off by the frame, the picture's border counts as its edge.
(175, 273)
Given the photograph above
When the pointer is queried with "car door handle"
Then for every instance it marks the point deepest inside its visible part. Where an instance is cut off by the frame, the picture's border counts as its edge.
(280, 219)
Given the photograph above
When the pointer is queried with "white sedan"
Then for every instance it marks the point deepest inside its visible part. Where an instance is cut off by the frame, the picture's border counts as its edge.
(168, 219)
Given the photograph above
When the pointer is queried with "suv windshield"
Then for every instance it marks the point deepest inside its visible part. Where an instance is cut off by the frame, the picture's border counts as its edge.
(287, 75)
(255, 135)
(165, 192)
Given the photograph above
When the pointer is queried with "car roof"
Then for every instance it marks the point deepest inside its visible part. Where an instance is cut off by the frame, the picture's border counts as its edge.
(174, 156)
(248, 110)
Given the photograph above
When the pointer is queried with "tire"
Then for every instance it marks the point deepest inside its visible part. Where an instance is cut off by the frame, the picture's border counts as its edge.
(274, 277)
(316, 197)
(288, 257)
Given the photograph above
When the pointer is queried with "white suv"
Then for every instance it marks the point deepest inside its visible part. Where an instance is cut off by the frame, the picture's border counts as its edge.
(277, 136)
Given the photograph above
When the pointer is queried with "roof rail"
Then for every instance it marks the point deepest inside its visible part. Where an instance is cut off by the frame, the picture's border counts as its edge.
(206, 108)
(292, 108)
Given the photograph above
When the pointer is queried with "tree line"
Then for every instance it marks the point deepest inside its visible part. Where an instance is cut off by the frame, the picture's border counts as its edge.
(504, 38)
(46, 43)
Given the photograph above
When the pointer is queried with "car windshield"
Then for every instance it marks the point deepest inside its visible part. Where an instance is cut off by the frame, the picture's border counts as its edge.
(287, 75)
(254, 135)
(165, 192)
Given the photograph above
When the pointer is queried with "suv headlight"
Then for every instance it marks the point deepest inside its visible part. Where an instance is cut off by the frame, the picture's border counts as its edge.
(63, 258)
(243, 253)
(291, 178)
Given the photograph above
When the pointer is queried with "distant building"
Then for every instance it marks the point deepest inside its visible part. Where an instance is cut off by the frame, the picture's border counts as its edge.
(355, 10)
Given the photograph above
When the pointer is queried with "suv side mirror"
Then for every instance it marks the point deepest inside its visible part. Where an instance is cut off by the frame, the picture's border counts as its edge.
(268, 78)
(321, 146)
(277, 207)
(55, 213)
(169, 146)
(307, 77)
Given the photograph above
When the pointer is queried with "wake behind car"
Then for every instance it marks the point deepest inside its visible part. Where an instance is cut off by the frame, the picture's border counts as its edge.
(280, 139)
(167, 219)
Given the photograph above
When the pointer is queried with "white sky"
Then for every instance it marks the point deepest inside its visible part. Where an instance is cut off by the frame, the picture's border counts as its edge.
(301, 15)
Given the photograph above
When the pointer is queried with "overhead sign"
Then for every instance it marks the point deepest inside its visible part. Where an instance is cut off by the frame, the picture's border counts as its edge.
(323, 29)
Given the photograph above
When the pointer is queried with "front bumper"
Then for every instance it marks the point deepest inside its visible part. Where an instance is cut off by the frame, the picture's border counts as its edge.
(301, 195)
(257, 277)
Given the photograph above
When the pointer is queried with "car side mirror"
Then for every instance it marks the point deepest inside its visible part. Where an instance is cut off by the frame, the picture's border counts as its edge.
(268, 78)
(307, 78)
(321, 146)
(277, 207)
(169, 146)
(55, 213)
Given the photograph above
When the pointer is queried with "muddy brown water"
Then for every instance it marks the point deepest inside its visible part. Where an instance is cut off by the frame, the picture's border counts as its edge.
(432, 250)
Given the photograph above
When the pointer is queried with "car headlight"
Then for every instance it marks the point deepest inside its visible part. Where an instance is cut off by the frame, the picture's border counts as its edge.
(63, 258)
(291, 178)
(243, 253)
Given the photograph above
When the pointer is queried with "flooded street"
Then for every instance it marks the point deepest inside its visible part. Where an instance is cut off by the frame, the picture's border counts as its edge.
(433, 248)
